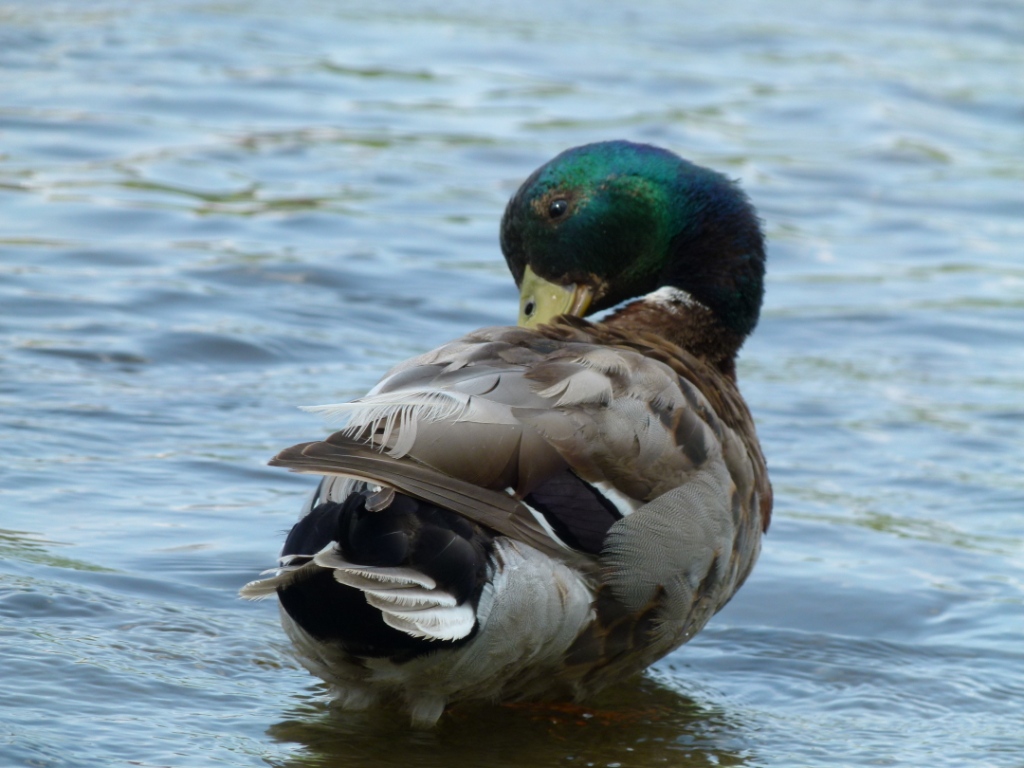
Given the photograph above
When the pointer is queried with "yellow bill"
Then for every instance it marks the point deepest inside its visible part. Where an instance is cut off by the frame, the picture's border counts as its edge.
(541, 301)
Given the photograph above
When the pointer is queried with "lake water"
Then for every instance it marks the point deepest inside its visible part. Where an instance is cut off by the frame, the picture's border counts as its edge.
(213, 212)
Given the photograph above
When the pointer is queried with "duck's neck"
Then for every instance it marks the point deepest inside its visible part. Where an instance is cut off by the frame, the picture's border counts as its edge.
(676, 316)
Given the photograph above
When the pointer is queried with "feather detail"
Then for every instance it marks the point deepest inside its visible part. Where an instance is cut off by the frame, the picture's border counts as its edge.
(548, 529)
(622, 503)
(259, 589)
(433, 624)
(278, 578)
(581, 386)
(343, 455)
(375, 418)
(408, 600)
(368, 576)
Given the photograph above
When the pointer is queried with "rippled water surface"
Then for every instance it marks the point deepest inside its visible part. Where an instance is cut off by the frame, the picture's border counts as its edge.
(212, 212)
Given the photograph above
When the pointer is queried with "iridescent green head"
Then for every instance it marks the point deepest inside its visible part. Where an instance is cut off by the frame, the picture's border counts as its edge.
(616, 220)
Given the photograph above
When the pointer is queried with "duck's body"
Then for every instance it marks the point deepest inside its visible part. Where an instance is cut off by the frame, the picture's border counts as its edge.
(537, 512)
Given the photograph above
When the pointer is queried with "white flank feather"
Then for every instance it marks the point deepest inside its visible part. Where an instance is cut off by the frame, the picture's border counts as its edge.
(402, 409)
(433, 623)
(279, 577)
(260, 589)
(409, 598)
(389, 578)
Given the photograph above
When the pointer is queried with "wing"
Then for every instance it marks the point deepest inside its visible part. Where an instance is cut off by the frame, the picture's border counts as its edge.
(549, 436)
(341, 454)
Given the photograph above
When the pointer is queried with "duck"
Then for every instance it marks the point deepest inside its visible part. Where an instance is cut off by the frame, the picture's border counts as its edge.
(535, 512)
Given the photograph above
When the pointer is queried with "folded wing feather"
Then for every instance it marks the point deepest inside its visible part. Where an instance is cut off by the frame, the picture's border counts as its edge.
(508, 408)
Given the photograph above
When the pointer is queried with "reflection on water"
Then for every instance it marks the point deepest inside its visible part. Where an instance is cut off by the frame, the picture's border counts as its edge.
(642, 723)
(211, 213)
(31, 548)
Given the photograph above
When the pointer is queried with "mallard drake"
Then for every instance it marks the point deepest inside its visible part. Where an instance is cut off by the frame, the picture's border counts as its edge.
(536, 511)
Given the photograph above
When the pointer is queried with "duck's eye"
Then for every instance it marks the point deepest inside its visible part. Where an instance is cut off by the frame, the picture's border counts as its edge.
(558, 208)
(529, 308)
